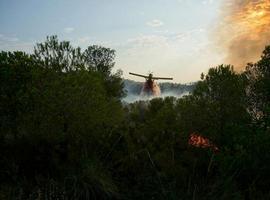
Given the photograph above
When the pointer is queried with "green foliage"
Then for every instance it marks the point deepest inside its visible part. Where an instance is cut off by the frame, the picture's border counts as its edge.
(222, 94)
(258, 76)
(64, 133)
(100, 58)
(54, 117)
(58, 55)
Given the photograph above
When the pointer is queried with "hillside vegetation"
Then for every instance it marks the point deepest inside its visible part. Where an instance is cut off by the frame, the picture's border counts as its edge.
(64, 133)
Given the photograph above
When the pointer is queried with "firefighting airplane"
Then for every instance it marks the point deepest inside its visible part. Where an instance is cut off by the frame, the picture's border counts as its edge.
(150, 88)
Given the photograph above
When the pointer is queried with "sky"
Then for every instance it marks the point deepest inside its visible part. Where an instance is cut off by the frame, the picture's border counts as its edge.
(167, 37)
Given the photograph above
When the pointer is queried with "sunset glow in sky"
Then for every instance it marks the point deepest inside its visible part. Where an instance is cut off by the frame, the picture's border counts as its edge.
(167, 37)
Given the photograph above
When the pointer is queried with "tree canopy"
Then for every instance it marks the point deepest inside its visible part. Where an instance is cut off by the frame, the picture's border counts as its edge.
(64, 133)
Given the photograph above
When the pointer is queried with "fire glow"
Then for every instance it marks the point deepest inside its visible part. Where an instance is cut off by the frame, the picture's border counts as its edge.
(197, 140)
(243, 30)
(254, 16)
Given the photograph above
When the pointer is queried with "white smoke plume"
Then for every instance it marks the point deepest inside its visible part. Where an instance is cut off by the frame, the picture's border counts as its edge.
(134, 91)
(243, 30)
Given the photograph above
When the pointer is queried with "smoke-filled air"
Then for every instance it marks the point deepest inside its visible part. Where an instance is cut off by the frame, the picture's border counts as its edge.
(242, 30)
(137, 91)
(135, 100)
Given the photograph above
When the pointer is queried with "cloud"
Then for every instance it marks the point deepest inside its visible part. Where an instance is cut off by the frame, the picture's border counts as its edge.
(167, 42)
(182, 1)
(155, 23)
(183, 55)
(206, 2)
(68, 29)
(85, 39)
(188, 35)
(11, 43)
(148, 41)
(4, 38)
(142, 13)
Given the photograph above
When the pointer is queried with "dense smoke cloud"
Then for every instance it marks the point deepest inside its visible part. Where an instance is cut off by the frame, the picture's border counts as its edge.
(243, 30)
(134, 91)
(130, 98)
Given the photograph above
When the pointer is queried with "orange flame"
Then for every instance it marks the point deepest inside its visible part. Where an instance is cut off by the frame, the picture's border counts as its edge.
(197, 140)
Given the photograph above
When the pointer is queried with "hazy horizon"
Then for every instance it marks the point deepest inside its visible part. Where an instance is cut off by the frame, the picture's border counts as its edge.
(174, 38)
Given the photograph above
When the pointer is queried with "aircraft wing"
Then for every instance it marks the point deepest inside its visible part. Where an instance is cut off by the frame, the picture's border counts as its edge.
(162, 78)
(138, 75)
